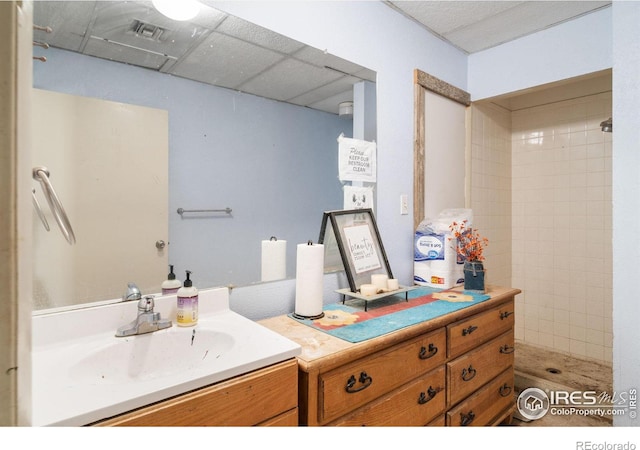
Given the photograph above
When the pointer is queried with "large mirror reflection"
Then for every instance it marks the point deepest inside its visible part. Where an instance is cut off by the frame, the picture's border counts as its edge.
(252, 121)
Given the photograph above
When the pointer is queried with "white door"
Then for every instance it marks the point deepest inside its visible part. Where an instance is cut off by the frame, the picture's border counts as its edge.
(108, 163)
(444, 148)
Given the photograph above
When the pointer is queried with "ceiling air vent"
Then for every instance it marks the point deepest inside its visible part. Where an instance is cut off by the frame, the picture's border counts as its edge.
(147, 30)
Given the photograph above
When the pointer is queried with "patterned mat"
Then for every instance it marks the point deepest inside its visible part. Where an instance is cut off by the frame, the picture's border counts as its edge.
(352, 323)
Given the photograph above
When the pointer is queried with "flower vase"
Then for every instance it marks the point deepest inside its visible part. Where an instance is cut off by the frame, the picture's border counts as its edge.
(474, 276)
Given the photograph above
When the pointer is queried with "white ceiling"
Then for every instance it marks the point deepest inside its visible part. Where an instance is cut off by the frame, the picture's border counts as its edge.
(473, 26)
(222, 50)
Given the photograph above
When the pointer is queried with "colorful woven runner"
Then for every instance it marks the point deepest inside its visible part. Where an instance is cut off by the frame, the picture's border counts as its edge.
(351, 323)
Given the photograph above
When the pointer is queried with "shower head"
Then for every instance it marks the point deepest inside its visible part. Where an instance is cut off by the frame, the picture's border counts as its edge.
(607, 125)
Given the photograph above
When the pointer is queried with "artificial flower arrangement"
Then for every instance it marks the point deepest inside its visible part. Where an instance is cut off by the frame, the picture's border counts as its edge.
(470, 244)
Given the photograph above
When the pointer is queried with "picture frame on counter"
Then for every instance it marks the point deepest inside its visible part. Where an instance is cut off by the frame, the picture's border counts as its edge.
(353, 235)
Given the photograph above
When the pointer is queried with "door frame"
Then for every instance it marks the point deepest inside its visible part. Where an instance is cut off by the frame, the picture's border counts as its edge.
(422, 81)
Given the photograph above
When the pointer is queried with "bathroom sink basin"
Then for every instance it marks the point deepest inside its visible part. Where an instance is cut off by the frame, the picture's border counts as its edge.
(152, 355)
(82, 373)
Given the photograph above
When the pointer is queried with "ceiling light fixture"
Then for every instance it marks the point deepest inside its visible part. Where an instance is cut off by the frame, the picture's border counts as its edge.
(345, 110)
(177, 10)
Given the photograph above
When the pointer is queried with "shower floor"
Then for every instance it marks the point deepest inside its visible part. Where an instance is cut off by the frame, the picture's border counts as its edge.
(550, 370)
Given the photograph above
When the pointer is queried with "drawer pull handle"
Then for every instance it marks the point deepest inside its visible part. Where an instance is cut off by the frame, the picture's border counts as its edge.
(365, 381)
(469, 330)
(466, 419)
(505, 314)
(426, 354)
(425, 398)
(505, 349)
(468, 374)
(504, 390)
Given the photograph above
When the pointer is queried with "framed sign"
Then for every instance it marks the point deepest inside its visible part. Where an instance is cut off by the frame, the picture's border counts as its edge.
(355, 234)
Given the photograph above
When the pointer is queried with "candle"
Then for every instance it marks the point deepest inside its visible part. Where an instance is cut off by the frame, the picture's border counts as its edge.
(379, 280)
(392, 284)
(368, 289)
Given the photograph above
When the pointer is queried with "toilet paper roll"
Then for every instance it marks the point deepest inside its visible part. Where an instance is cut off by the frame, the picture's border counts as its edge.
(274, 260)
(450, 256)
(421, 272)
(309, 280)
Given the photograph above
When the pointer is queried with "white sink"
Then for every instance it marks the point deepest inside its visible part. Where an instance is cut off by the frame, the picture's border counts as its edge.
(82, 373)
(152, 355)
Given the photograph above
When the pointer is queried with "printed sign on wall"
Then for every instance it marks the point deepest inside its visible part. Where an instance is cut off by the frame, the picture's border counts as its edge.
(357, 160)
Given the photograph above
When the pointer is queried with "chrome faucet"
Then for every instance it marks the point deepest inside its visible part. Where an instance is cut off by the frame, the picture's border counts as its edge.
(146, 322)
(132, 293)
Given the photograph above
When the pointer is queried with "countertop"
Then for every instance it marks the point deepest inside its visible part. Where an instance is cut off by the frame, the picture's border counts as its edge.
(318, 346)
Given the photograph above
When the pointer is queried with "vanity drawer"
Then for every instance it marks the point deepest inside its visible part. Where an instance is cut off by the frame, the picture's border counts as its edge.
(470, 371)
(438, 422)
(244, 401)
(286, 419)
(471, 332)
(350, 386)
(484, 406)
(413, 405)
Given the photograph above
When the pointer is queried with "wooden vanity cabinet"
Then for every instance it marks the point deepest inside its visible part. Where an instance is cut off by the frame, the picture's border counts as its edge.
(454, 370)
(265, 397)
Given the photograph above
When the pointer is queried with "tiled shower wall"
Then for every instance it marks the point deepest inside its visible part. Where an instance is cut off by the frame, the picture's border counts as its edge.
(491, 187)
(541, 192)
(561, 225)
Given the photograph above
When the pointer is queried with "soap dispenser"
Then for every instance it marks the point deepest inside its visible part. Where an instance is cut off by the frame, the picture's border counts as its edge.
(187, 303)
(171, 285)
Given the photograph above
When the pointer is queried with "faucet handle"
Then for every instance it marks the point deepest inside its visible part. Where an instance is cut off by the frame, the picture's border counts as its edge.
(132, 293)
(146, 304)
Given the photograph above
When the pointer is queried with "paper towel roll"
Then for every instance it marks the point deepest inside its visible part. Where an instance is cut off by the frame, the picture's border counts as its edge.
(274, 260)
(309, 280)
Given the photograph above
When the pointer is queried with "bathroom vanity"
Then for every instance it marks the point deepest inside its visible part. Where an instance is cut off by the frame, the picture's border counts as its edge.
(453, 370)
(226, 370)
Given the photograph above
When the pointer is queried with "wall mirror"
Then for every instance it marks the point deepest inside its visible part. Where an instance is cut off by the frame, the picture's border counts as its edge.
(252, 126)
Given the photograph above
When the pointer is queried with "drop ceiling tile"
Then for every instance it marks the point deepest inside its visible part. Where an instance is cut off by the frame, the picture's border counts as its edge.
(225, 61)
(320, 58)
(446, 16)
(254, 34)
(523, 19)
(477, 25)
(339, 86)
(66, 34)
(331, 104)
(289, 79)
(366, 74)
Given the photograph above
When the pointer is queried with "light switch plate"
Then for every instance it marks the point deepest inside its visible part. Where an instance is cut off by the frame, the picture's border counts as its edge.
(404, 204)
